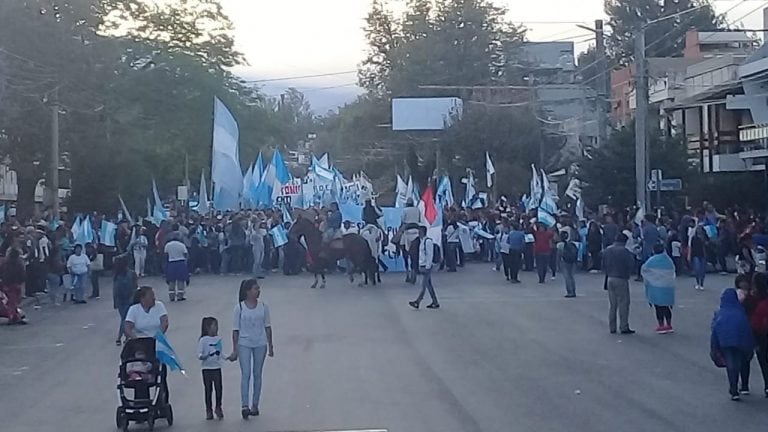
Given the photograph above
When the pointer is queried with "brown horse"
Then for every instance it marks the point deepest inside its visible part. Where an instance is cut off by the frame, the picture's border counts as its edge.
(323, 257)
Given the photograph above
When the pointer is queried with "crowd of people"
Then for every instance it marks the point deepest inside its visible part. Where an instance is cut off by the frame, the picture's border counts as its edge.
(42, 259)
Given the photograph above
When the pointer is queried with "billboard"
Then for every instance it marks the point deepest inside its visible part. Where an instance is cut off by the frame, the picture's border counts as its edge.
(423, 114)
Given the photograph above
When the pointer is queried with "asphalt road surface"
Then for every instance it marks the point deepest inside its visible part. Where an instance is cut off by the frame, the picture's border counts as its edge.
(496, 357)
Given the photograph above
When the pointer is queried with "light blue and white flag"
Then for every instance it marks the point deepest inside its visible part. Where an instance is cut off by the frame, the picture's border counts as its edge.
(108, 231)
(274, 177)
(490, 170)
(76, 227)
(226, 174)
(85, 233)
(203, 206)
(166, 354)
(245, 195)
(549, 205)
(536, 190)
(445, 193)
(279, 235)
(324, 162)
(158, 214)
(470, 192)
(546, 218)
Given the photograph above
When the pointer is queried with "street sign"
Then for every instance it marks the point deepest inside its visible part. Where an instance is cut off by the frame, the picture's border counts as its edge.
(667, 185)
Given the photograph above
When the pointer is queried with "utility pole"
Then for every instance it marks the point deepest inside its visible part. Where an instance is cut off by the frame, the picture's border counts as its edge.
(641, 120)
(603, 91)
(602, 82)
(53, 185)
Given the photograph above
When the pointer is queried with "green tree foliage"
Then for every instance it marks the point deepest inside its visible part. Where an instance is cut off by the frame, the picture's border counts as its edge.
(436, 42)
(609, 173)
(135, 82)
(663, 39)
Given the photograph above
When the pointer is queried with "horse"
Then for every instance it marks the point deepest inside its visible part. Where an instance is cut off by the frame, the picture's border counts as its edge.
(323, 257)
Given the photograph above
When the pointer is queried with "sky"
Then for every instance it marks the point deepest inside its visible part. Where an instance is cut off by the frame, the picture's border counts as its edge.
(295, 38)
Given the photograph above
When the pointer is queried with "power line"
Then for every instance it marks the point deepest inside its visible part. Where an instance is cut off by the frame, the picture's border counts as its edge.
(301, 77)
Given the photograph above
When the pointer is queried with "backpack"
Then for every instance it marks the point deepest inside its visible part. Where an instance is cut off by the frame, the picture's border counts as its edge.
(570, 253)
(437, 257)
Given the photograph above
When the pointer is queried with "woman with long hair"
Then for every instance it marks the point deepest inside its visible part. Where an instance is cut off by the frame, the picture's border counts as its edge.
(251, 342)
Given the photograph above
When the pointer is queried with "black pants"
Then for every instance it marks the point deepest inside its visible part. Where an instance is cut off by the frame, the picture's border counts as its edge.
(761, 344)
(515, 261)
(451, 256)
(596, 259)
(211, 380)
(663, 313)
(95, 291)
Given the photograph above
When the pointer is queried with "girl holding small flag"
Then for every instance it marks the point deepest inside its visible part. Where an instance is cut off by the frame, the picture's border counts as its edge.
(209, 349)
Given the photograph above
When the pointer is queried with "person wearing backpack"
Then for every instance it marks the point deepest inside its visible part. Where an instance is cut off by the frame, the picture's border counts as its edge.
(427, 252)
(570, 256)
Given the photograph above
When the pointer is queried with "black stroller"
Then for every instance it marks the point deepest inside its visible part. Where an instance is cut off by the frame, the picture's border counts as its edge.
(143, 375)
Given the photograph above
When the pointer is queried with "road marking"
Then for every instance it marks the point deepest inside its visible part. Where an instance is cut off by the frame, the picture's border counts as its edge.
(341, 430)
(56, 345)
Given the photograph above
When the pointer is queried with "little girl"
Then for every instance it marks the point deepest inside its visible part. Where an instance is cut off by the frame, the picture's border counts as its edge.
(209, 352)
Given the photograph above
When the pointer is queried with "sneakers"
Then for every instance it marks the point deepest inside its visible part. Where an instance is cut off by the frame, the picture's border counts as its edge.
(255, 411)
(433, 306)
(660, 329)
(570, 296)
(699, 287)
(664, 329)
(553, 278)
(628, 332)
(735, 398)
(209, 414)
(413, 304)
(245, 412)
(744, 391)
(219, 413)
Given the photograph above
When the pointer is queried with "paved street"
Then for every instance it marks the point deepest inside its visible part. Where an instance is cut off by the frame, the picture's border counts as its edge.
(496, 357)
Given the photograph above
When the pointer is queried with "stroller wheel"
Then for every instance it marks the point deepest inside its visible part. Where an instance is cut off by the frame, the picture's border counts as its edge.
(169, 414)
(121, 420)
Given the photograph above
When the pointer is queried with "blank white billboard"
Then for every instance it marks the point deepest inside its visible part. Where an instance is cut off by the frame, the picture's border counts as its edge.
(425, 113)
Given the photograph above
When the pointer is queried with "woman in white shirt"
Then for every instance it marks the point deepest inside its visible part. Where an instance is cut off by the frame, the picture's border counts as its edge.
(146, 317)
(78, 266)
(251, 341)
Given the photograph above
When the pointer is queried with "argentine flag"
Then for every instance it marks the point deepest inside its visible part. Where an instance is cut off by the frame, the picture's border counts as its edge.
(165, 353)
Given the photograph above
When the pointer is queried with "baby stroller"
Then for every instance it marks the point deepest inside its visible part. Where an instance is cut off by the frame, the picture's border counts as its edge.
(144, 377)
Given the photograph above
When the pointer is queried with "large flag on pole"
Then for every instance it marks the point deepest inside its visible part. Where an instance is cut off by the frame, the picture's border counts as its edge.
(490, 170)
(226, 174)
(202, 205)
(274, 177)
(247, 180)
(470, 192)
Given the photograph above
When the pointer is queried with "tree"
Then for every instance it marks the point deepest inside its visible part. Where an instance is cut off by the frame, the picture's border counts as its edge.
(663, 39)
(609, 172)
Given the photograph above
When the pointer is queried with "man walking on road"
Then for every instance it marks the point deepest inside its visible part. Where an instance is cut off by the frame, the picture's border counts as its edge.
(426, 256)
(618, 264)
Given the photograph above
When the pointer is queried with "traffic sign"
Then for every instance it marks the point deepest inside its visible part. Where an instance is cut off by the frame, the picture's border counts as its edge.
(667, 185)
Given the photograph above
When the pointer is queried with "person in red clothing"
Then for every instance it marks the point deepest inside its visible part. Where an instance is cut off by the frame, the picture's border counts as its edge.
(756, 305)
(544, 241)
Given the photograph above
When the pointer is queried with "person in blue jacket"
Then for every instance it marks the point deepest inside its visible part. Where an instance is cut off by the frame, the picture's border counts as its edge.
(732, 338)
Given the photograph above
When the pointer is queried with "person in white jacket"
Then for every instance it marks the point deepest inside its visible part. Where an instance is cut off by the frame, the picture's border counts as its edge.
(426, 256)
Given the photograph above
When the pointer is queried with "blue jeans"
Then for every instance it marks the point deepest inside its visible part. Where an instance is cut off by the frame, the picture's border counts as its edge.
(251, 365)
(123, 311)
(737, 366)
(568, 273)
(258, 259)
(426, 285)
(54, 287)
(699, 269)
(78, 286)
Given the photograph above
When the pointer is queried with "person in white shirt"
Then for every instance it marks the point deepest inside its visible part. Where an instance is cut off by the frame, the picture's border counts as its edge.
(176, 271)
(139, 247)
(78, 266)
(251, 342)
(209, 348)
(426, 257)
(146, 317)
